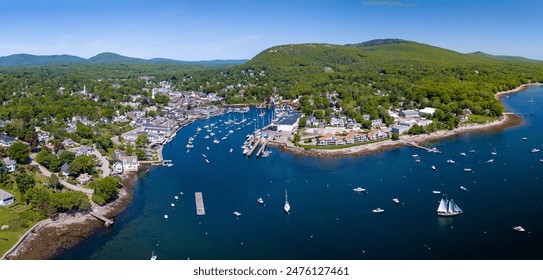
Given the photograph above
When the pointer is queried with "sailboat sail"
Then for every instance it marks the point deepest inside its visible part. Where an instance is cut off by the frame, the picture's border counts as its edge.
(442, 206)
(450, 207)
(457, 209)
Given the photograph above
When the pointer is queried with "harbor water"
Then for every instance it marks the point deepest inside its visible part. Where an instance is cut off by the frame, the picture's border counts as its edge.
(328, 220)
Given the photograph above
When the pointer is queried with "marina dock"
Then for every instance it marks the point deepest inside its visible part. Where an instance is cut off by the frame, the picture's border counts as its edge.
(200, 209)
(263, 148)
(431, 150)
(253, 148)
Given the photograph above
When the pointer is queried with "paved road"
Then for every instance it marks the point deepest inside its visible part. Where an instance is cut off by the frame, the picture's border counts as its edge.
(105, 163)
(47, 173)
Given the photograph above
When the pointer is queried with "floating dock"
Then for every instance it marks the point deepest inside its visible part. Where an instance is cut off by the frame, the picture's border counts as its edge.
(200, 209)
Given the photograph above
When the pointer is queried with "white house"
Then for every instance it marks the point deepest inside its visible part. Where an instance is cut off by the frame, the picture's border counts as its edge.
(64, 169)
(11, 165)
(130, 163)
(6, 141)
(5, 198)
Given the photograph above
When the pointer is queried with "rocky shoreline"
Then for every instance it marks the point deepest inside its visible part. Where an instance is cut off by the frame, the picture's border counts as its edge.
(53, 236)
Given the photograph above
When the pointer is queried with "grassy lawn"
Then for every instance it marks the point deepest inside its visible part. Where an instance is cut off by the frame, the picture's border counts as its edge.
(20, 218)
(480, 119)
(337, 147)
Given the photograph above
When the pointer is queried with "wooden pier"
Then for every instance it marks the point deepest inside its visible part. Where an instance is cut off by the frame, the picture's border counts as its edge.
(431, 150)
(257, 142)
(200, 209)
(263, 148)
(106, 221)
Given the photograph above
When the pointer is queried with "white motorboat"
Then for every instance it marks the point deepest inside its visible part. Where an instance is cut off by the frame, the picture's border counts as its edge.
(451, 161)
(173, 205)
(359, 189)
(237, 214)
(467, 170)
(153, 256)
(166, 217)
(436, 192)
(434, 168)
(260, 200)
(519, 229)
(395, 200)
(524, 139)
(490, 160)
(378, 210)
(463, 188)
(463, 154)
(533, 151)
(176, 197)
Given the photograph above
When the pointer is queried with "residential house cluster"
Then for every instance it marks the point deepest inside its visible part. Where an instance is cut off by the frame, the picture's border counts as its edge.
(351, 138)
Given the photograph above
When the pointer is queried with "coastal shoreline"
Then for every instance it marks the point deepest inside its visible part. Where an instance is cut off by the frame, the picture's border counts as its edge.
(506, 121)
(50, 237)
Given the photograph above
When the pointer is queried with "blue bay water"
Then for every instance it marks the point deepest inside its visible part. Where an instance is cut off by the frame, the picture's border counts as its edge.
(328, 220)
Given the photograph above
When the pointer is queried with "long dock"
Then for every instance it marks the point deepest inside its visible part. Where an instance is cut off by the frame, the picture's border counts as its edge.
(200, 209)
(107, 221)
(431, 150)
(263, 148)
(257, 142)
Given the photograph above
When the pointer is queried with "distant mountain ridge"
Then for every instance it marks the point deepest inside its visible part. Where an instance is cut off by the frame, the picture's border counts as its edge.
(19, 60)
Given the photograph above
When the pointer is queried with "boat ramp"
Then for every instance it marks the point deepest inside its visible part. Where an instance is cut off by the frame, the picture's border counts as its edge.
(106, 221)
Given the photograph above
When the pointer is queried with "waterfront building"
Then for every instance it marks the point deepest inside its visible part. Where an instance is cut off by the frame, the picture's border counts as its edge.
(289, 123)
(130, 163)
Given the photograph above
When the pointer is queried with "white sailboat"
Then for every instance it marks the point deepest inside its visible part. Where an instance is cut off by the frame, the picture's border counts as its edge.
(448, 208)
(287, 205)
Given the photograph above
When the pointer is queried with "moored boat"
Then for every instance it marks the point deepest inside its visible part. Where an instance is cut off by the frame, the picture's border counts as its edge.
(395, 200)
(287, 204)
(534, 150)
(237, 214)
(451, 161)
(359, 189)
(434, 168)
(463, 188)
(519, 229)
(378, 210)
(260, 200)
(436, 192)
(447, 208)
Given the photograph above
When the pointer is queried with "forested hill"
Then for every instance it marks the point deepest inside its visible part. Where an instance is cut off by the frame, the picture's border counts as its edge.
(19, 60)
(390, 72)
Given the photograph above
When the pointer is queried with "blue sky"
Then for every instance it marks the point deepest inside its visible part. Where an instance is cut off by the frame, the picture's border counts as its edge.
(240, 29)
